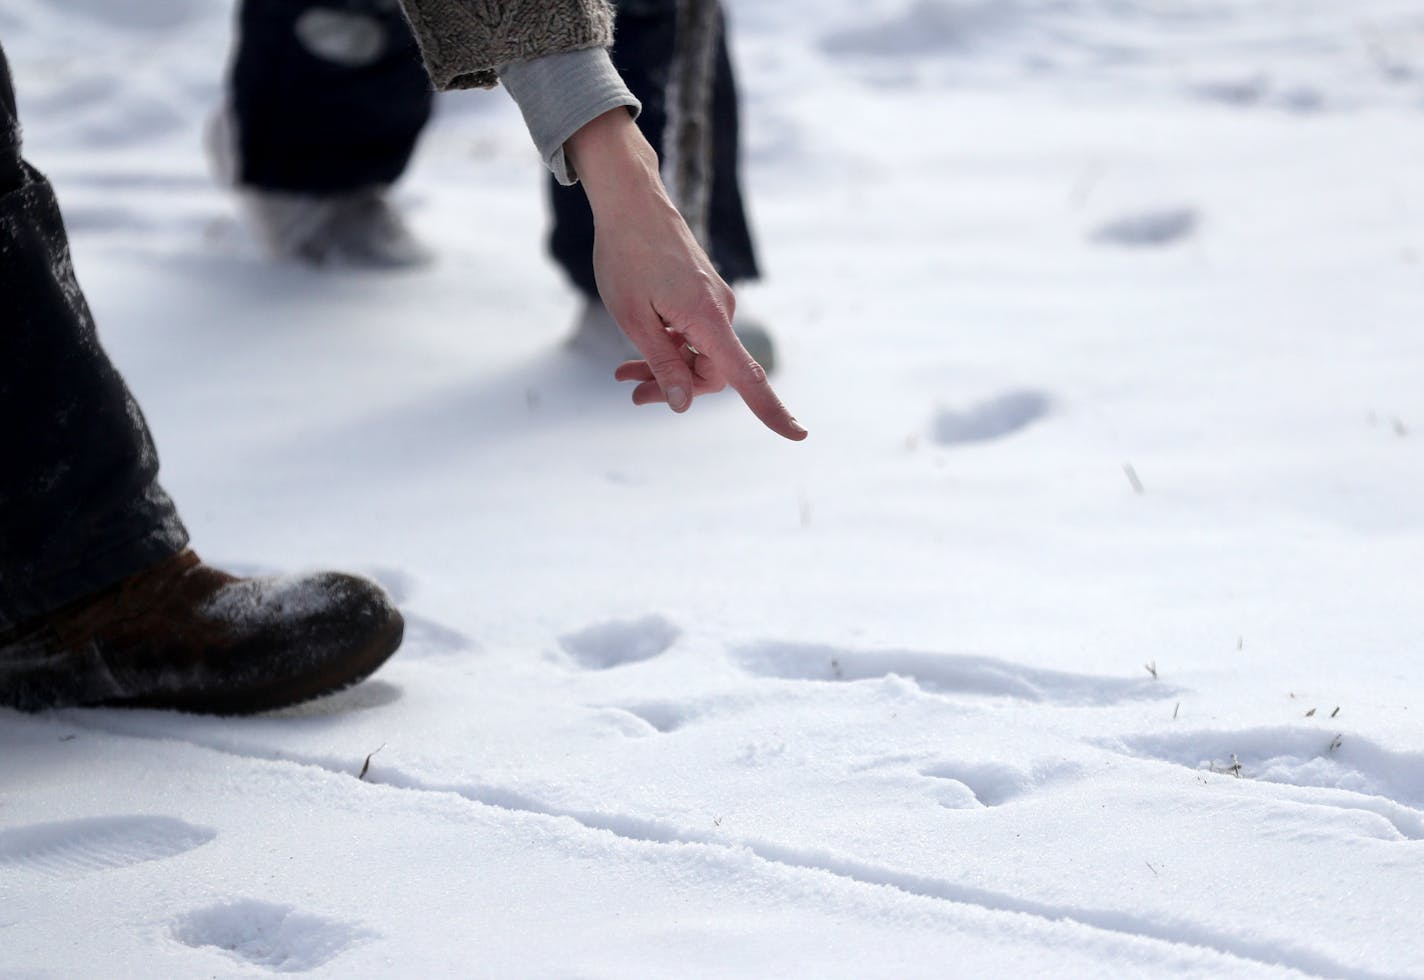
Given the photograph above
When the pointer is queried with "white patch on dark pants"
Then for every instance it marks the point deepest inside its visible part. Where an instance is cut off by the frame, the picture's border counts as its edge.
(347, 39)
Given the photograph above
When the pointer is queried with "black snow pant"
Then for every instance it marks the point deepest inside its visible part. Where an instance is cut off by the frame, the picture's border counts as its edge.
(80, 504)
(329, 96)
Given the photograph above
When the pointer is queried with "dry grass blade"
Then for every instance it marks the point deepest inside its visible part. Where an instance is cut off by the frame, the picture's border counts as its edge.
(366, 766)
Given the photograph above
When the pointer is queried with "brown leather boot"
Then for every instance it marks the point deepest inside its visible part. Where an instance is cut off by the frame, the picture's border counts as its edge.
(183, 635)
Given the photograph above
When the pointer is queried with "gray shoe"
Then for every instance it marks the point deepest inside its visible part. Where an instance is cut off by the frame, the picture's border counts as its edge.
(598, 336)
(360, 229)
(757, 340)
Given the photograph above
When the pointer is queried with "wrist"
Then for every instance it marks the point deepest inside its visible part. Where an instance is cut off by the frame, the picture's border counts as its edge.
(615, 164)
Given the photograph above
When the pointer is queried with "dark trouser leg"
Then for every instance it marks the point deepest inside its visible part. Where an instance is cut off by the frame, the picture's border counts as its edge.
(327, 96)
(80, 504)
(642, 52)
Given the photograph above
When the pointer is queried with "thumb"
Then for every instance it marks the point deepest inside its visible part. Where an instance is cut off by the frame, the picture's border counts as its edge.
(664, 356)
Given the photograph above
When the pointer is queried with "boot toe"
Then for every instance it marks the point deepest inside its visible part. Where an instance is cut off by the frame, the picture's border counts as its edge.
(317, 635)
(270, 643)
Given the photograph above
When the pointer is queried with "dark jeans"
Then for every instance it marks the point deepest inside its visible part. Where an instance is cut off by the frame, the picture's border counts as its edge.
(311, 123)
(80, 504)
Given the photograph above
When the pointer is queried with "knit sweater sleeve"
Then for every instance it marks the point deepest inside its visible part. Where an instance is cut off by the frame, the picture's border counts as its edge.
(462, 41)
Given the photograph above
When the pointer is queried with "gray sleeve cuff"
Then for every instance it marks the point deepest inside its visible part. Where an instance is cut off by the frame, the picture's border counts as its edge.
(558, 93)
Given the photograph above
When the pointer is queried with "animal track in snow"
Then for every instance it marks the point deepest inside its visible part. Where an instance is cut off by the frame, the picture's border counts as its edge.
(618, 642)
(275, 937)
(993, 418)
(622, 721)
(1147, 228)
(662, 716)
(71, 847)
(984, 784)
(944, 673)
(1345, 771)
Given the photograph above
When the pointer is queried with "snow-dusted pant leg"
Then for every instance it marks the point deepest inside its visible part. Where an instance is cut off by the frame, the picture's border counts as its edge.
(11, 170)
(80, 504)
(326, 96)
(642, 52)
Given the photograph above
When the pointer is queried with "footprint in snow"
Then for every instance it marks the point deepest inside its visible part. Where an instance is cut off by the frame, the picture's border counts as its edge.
(993, 418)
(1147, 228)
(66, 848)
(646, 718)
(620, 641)
(945, 674)
(275, 937)
(972, 785)
(1315, 766)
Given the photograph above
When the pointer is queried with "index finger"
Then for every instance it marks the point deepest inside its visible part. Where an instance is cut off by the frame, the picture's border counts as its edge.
(749, 380)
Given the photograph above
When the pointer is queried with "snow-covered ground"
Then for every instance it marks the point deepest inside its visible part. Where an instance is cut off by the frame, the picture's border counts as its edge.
(1084, 636)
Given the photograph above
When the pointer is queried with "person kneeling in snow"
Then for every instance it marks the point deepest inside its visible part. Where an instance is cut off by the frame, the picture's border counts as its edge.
(101, 601)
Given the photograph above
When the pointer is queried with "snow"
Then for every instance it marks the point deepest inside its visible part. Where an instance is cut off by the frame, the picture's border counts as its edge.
(1104, 317)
